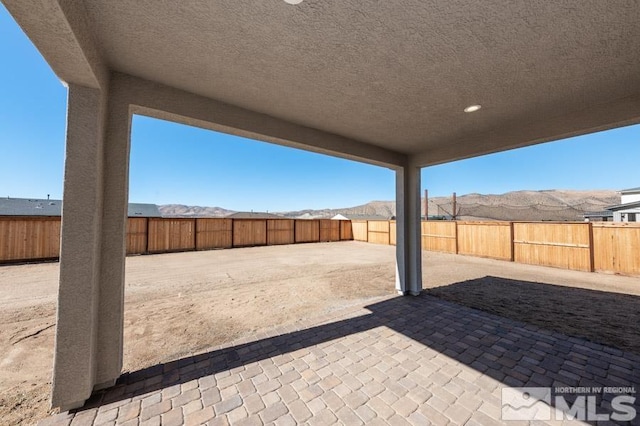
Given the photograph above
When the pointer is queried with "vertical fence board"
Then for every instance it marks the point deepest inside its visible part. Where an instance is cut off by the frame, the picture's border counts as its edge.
(346, 233)
(329, 230)
(307, 231)
(485, 239)
(561, 245)
(249, 232)
(136, 235)
(213, 233)
(359, 228)
(439, 235)
(378, 232)
(29, 238)
(168, 234)
(392, 233)
(280, 231)
(616, 247)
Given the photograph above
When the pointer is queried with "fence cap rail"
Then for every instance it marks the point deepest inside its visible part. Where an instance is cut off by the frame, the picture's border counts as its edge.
(159, 219)
(616, 224)
(30, 217)
(483, 223)
(550, 222)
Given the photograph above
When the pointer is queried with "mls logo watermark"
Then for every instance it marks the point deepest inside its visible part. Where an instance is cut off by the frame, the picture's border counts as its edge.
(531, 403)
(526, 403)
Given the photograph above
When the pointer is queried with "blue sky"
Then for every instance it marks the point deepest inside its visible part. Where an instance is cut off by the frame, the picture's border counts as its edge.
(171, 163)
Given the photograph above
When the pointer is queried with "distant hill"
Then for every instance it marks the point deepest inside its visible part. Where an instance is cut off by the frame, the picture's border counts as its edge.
(560, 205)
(374, 208)
(180, 210)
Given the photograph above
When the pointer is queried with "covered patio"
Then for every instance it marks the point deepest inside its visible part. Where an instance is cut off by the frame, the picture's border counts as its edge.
(397, 361)
(336, 354)
(378, 82)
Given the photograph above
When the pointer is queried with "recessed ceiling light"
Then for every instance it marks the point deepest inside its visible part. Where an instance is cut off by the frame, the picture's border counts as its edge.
(293, 1)
(472, 108)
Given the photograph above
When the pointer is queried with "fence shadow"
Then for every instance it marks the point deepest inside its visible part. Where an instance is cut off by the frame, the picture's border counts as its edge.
(503, 349)
(604, 317)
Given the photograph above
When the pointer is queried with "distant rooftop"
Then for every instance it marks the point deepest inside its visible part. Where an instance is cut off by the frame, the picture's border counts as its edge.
(50, 207)
(29, 207)
(630, 190)
(603, 213)
(632, 205)
(143, 210)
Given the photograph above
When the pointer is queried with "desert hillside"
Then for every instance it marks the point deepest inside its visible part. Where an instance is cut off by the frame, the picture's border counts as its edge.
(180, 210)
(526, 205)
(518, 205)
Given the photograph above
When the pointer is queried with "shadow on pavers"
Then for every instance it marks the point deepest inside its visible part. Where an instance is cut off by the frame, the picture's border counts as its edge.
(509, 351)
(604, 317)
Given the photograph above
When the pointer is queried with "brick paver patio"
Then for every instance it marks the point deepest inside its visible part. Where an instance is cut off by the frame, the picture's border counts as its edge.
(400, 360)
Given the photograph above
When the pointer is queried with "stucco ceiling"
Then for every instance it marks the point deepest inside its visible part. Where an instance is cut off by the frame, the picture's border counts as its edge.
(396, 74)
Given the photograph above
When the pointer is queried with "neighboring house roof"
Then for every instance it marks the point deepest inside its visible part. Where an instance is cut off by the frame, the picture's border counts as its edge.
(624, 206)
(143, 210)
(604, 213)
(29, 207)
(439, 217)
(254, 215)
(41, 207)
(339, 217)
(630, 190)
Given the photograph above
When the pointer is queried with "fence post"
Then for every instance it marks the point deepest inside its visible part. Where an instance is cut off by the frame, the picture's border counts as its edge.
(233, 233)
(146, 246)
(455, 229)
(367, 233)
(195, 234)
(511, 237)
(591, 251)
(295, 236)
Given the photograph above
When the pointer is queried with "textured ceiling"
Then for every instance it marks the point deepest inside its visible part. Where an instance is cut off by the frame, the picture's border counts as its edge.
(396, 74)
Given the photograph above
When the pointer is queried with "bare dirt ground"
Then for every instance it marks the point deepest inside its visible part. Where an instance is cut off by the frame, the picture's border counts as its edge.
(180, 304)
(184, 303)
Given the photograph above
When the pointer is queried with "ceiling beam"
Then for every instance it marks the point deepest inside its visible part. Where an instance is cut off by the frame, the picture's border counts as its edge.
(61, 32)
(168, 103)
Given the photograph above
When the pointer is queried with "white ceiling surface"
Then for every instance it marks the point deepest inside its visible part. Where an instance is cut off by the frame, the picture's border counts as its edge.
(395, 74)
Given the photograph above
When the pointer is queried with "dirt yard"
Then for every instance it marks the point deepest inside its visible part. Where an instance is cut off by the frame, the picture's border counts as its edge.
(183, 303)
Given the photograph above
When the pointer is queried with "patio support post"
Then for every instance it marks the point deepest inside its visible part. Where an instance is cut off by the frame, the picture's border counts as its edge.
(88, 347)
(408, 231)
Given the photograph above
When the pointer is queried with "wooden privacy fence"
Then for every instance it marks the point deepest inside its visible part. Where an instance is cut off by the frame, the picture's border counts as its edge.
(616, 247)
(485, 239)
(166, 235)
(38, 238)
(562, 245)
(600, 246)
(583, 246)
(23, 238)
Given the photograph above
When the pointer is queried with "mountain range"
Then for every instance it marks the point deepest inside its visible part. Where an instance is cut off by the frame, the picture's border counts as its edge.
(561, 205)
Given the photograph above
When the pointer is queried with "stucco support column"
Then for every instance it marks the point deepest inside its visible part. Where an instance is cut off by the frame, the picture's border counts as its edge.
(408, 231)
(92, 243)
(114, 247)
